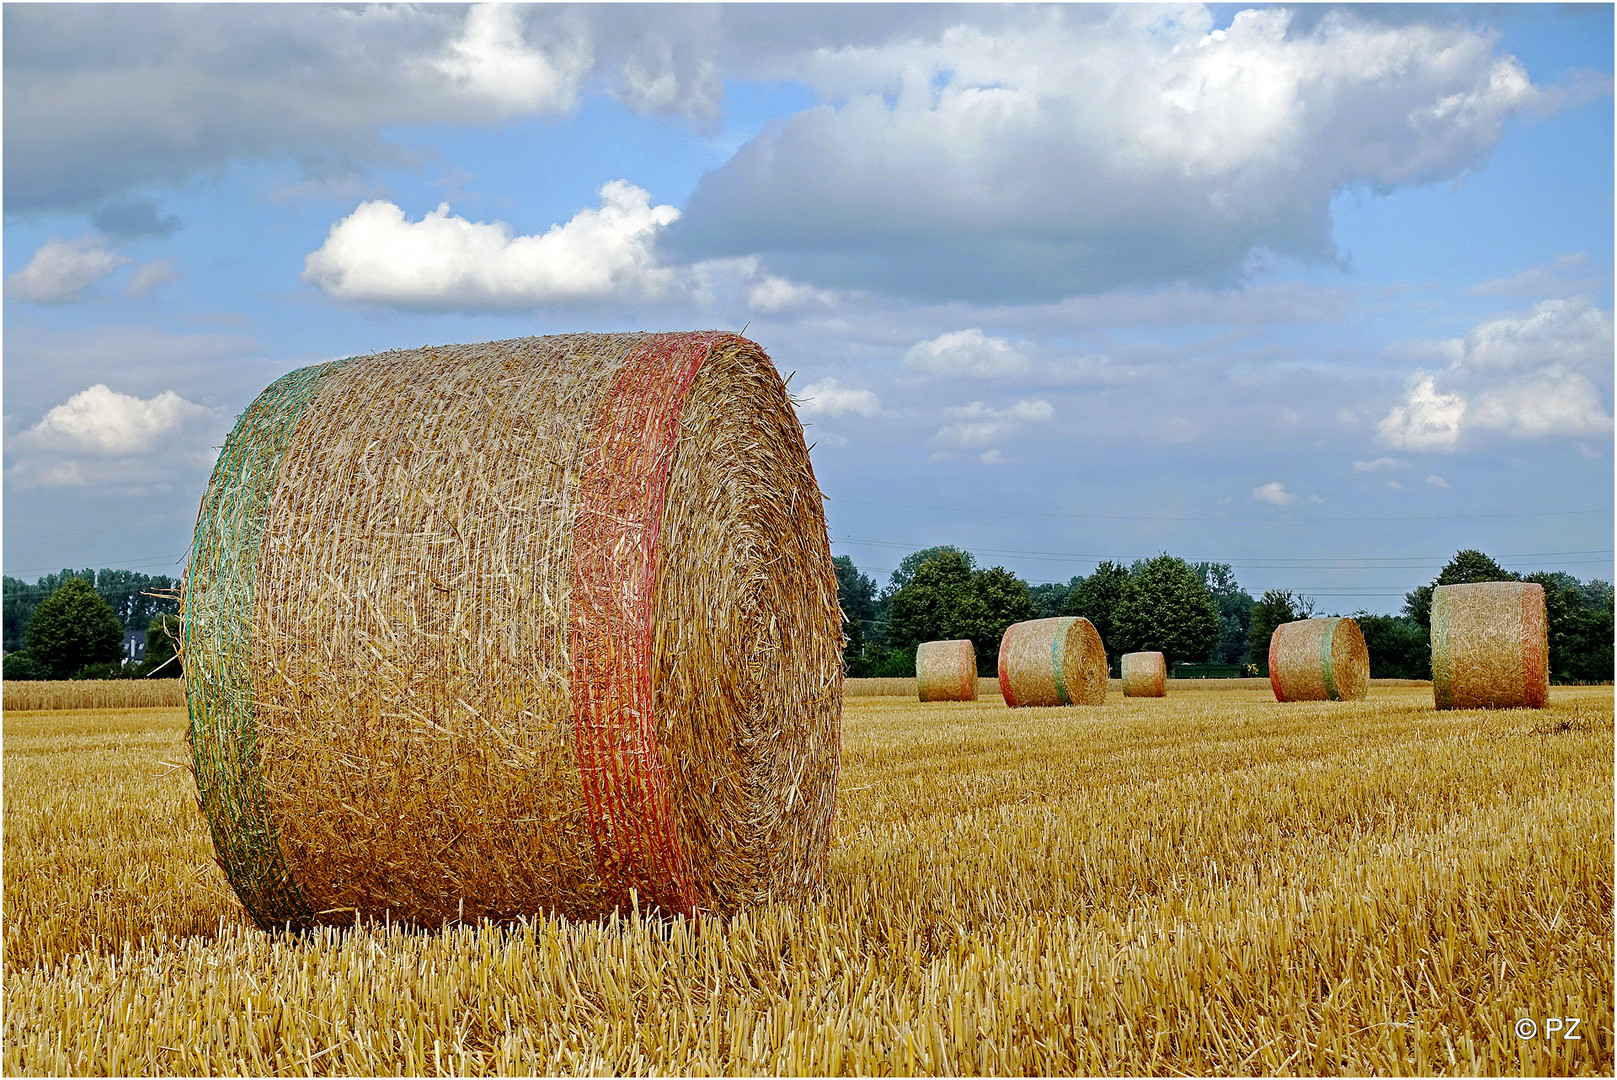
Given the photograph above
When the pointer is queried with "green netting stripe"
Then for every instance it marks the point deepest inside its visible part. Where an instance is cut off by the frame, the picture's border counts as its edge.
(1328, 632)
(221, 583)
(1442, 669)
(1058, 653)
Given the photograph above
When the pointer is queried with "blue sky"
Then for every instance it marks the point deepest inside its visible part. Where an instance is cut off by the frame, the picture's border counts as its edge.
(1325, 294)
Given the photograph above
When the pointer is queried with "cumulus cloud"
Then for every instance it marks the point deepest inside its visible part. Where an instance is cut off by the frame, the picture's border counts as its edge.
(772, 294)
(1537, 374)
(101, 421)
(1274, 493)
(61, 270)
(1437, 482)
(104, 102)
(490, 59)
(377, 255)
(1074, 149)
(830, 398)
(1427, 420)
(968, 353)
(978, 426)
(1381, 463)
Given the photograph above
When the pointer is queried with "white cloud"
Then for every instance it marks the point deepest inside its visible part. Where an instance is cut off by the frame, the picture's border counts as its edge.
(1544, 404)
(150, 276)
(1437, 482)
(1075, 149)
(101, 421)
(61, 270)
(967, 353)
(977, 426)
(1273, 493)
(774, 295)
(993, 457)
(377, 255)
(1381, 463)
(1427, 420)
(490, 59)
(105, 104)
(833, 399)
(1537, 374)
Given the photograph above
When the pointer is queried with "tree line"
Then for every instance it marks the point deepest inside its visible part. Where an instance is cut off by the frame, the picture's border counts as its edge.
(1189, 612)
(70, 625)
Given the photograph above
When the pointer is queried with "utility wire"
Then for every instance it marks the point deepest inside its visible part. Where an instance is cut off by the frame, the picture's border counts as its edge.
(1221, 520)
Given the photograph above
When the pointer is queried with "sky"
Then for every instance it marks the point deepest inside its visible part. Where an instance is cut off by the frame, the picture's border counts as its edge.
(1322, 292)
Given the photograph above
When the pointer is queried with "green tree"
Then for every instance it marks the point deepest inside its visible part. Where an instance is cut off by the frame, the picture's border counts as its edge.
(19, 667)
(938, 603)
(1004, 599)
(134, 598)
(1580, 637)
(909, 564)
(1234, 606)
(946, 599)
(1468, 567)
(162, 635)
(1095, 598)
(19, 604)
(1273, 608)
(1049, 597)
(1399, 647)
(1164, 607)
(74, 628)
(856, 593)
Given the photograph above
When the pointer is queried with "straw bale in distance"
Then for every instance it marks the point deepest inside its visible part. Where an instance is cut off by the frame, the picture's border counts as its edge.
(1319, 660)
(1490, 646)
(946, 671)
(1059, 661)
(492, 630)
(1145, 674)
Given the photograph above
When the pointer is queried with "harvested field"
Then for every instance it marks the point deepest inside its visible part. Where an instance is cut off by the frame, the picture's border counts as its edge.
(988, 686)
(1209, 883)
(94, 694)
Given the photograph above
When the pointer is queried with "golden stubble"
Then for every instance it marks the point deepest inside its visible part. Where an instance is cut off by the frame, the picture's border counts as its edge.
(1213, 882)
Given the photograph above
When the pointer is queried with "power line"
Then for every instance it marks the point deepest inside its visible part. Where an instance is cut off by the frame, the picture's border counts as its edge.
(1220, 520)
(102, 532)
(1258, 562)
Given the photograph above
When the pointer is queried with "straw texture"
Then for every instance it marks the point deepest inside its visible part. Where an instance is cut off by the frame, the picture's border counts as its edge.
(1490, 646)
(1058, 661)
(490, 630)
(1145, 674)
(1319, 660)
(946, 671)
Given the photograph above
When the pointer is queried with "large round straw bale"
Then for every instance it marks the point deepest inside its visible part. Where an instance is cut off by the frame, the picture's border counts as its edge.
(1059, 661)
(1145, 674)
(946, 671)
(500, 629)
(1490, 646)
(1319, 660)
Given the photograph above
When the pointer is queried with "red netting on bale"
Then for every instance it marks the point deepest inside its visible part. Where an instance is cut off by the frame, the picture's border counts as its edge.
(619, 512)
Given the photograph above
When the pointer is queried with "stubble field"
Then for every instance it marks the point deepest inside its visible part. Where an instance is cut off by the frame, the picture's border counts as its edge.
(1207, 883)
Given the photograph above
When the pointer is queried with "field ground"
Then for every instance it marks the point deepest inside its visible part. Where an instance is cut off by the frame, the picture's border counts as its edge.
(1207, 883)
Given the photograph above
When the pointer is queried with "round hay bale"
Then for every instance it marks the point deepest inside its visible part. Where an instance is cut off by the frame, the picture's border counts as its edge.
(1059, 661)
(946, 671)
(1319, 660)
(500, 629)
(1145, 674)
(1490, 646)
